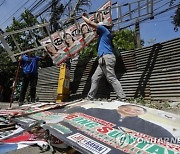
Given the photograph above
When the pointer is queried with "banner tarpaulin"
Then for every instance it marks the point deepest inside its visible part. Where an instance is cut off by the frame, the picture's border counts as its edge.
(57, 51)
(87, 32)
(74, 40)
(104, 14)
(67, 43)
(115, 127)
(29, 109)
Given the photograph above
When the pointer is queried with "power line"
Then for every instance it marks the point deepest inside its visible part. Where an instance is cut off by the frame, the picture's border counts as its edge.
(15, 12)
(11, 10)
(48, 6)
(2, 3)
(161, 6)
(131, 23)
(156, 21)
(34, 6)
(166, 10)
(42, 10)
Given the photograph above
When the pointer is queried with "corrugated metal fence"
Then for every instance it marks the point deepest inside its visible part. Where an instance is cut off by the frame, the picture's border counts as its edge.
(47, 84)
(160, 66)
(152, 72)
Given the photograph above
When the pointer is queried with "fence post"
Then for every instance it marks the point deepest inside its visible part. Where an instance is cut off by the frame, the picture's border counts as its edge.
(137, 32)
(63, 84)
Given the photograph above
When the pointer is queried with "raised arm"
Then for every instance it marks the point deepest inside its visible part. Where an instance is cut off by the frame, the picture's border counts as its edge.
(88, 21)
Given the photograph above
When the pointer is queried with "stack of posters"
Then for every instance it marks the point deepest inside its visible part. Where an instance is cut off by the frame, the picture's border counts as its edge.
(114, 127)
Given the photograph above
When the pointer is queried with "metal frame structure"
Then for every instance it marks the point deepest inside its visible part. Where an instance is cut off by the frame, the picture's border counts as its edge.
(123, 16)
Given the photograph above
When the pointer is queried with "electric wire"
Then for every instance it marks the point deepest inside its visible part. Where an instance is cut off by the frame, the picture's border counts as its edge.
(36, 5)
(11, 10)
(2, 2)
(15, 12)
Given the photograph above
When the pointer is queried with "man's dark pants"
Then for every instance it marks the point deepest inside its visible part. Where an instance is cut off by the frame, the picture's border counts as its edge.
(32, 79)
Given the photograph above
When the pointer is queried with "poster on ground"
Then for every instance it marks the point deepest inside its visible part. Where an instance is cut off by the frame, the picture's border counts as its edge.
(116, 127)
(29, 109)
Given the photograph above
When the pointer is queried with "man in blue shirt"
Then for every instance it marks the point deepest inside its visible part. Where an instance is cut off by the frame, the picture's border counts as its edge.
(106, 60)
(30, 75)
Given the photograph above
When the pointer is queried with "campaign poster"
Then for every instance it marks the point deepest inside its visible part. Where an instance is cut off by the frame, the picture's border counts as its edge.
(104, 14)
(87, 32)
(29, 109)
(99, 127)
(58, 41)
(48, 117)
(56, 48)
(70, 41)
(74, 40)
(22, 140)
(11, 112)
(35, 108)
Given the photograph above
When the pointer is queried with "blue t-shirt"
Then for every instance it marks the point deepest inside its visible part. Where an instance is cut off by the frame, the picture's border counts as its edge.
(30, 64)
(105, 41)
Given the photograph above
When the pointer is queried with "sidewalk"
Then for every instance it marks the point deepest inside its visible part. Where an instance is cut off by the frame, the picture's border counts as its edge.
(4, 105)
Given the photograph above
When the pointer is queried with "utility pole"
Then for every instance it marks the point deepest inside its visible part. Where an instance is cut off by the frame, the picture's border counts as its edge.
(137, 34)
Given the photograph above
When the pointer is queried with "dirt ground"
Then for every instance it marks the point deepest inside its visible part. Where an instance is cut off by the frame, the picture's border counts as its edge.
(37, 150)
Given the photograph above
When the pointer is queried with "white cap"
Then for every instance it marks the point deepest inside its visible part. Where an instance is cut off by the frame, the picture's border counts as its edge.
(104, 24)
(101, 23)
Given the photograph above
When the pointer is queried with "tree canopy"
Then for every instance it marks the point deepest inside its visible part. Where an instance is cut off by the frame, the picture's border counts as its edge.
(176, 19)
(123, 40)
(176, 16)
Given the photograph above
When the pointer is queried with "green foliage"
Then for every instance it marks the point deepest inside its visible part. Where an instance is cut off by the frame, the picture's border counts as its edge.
(23, 39)
(89, 51)
(29, 19)
(15, 26)
(166, 105)
(7, 73)
(18, 90)
(57, 10)
(78, 9)
(122, 40)
(138, 100)
(176, 19)
(6, 63)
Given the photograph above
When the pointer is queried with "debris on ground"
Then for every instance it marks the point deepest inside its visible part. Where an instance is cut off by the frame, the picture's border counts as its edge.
(85, 126)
